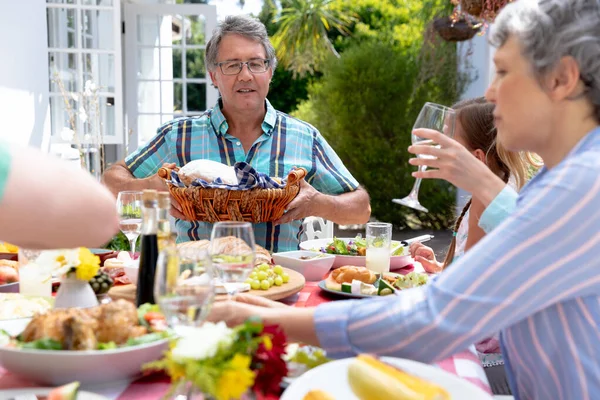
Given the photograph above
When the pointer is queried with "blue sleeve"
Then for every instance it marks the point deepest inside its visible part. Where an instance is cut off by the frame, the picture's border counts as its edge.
(499, 209)
(148, 159)
(512, 273)
(5, 161)
(330, 174)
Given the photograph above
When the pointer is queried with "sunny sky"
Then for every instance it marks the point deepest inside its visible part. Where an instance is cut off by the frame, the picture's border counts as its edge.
(230, 7)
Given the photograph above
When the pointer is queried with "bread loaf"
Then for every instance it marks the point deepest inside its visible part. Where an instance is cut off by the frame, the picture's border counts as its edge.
(208, 171)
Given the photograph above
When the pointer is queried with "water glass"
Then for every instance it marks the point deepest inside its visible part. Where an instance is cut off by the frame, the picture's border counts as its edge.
(232, 251)
(184, 286)
(379, 240)
(34, 279)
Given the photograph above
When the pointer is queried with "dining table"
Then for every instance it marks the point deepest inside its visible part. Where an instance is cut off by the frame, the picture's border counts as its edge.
(465, 364)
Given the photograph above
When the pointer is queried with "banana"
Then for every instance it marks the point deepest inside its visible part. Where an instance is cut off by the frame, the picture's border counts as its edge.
(371, 379)
(317, 395)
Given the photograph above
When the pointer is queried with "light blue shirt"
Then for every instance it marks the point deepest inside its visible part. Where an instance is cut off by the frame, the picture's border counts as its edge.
(286, 142)
(499, 209)
(535, 278)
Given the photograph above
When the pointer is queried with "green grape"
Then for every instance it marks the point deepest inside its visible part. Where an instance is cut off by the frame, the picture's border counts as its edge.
(255, 285)
(253, 275)
(278, 269)
(265, 285)
(248, 281)
(271, 281)
(264, 267)
(262, 275)
(278, 281)
(285, 277)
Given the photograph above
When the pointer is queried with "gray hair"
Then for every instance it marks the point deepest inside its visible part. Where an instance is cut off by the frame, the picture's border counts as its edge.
(551, 29)
(242, 25)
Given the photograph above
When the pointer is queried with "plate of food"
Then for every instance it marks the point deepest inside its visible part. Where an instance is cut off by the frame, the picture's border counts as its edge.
(17, 306)
(106, 343)
(9, 268)
(368, 377)
(359, 282)
(69, 391)
(351, 251)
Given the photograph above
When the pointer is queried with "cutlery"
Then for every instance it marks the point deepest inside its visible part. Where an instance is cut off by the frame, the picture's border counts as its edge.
(423, 238)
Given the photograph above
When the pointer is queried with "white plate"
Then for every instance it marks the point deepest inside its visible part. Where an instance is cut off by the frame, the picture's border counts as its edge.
(58, 367)
(81, 395)
(333, 378)
(396, 262)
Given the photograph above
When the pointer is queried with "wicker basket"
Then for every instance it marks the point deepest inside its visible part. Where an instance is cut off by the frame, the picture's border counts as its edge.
(473, 7)
(215, 205)
(457, 31)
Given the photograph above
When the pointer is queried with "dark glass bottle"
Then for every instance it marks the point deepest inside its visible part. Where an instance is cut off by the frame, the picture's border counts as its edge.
(149, 248)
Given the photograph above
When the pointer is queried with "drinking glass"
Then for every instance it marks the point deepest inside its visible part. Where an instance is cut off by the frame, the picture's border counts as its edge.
(129, 207)
(184, 286)
(436, 117)
(379, 240)
(34, 279)
(232, 250)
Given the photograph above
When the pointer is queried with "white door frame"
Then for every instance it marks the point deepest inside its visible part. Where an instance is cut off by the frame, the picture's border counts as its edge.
(131, 11)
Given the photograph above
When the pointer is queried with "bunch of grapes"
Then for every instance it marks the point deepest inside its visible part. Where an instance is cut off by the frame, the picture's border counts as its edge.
(263, 277)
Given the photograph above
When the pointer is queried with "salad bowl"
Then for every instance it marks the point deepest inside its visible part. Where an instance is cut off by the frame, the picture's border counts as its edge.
(348, 254)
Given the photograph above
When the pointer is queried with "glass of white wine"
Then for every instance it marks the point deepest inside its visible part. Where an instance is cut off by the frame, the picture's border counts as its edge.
(129, 207)
(184, 286)
(436, 117)
(232, 251)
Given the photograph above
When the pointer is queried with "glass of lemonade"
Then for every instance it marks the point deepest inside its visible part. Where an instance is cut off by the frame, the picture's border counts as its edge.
(34, 279)
(379, 240)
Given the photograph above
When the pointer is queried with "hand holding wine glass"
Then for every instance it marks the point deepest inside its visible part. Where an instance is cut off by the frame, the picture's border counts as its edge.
(129, 207)
(232, 251)
(435, 117)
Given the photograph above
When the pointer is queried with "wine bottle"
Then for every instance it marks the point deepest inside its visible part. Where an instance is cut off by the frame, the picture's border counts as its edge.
(164, 224)
(149, 248)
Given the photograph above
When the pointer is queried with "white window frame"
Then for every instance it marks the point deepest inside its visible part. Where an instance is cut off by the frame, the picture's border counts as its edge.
(131, 12)
(80, 51)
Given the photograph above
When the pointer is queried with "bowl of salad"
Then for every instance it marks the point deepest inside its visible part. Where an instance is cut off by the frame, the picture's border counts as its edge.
(351, 251)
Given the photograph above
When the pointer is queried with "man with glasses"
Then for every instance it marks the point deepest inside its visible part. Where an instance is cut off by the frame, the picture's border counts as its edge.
(243, 126)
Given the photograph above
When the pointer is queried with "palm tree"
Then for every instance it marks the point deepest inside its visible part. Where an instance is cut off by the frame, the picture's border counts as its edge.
(301, 40)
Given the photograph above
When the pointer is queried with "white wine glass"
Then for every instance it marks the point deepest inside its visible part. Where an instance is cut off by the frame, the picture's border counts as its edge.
(129, 207)
(184, 286)
(232, 250)
(436, 117)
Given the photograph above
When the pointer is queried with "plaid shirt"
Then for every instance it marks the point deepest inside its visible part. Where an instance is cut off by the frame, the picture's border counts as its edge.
(286, 142)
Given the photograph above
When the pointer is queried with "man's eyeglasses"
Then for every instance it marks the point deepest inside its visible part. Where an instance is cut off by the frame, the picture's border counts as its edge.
(257, 66)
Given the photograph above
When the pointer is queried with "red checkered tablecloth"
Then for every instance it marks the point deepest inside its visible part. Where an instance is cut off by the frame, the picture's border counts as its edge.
(465, 365)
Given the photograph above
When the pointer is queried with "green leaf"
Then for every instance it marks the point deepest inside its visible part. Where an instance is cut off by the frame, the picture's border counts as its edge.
(43, 344)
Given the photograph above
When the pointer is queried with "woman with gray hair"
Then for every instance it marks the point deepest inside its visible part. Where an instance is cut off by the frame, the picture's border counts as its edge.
(535, 277)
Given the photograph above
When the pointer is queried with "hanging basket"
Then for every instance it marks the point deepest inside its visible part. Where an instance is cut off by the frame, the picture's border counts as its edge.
(454, 31)
(473, 7)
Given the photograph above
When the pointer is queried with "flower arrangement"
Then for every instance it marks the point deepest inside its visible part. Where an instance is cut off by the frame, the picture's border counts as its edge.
(83, 110)
(80, 261)
(226, 363)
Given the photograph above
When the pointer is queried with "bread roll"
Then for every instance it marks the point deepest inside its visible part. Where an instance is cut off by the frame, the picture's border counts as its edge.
(347, 274)
(208, 171)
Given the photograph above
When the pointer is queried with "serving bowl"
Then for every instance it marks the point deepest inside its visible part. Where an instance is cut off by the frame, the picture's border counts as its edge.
(58, 367)
(312, 265)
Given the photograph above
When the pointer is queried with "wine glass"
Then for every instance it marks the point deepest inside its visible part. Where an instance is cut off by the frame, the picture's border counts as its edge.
(184, 286)
(436, 117)
(129, 207)
(232, 250)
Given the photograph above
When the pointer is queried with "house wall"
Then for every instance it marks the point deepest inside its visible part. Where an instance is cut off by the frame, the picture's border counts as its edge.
(481, 55)
(24, 109)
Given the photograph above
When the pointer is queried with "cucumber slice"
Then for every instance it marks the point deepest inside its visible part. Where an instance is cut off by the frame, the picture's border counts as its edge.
(383, 285)
(347, 287)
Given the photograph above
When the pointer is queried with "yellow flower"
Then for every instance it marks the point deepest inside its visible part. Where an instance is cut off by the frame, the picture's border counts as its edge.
(267, 342)
(89, 264)
(236, 379)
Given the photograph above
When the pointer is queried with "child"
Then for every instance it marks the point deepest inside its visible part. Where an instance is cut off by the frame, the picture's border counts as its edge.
(475, 131)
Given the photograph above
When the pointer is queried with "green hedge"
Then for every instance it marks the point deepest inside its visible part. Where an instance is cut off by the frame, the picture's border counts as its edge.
(365, 105)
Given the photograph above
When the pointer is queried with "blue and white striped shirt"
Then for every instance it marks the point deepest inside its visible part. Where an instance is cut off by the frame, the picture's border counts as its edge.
(286, 142)
(535, 278)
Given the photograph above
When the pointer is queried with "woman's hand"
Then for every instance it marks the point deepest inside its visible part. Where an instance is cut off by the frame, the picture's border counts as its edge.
(242, 307)
(455, 164)
(425, 255)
